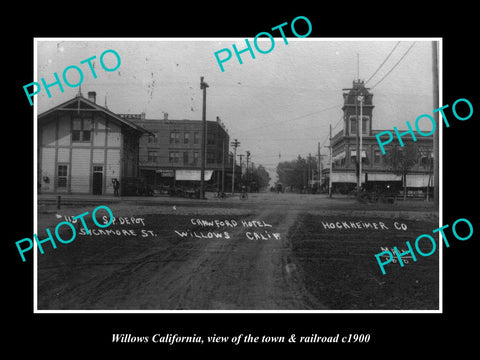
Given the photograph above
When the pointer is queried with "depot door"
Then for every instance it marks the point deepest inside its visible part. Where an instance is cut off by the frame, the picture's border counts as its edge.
(97, 181)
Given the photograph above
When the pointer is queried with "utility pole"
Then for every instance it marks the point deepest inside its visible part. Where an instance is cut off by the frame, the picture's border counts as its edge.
(248, 158)
(357, 92)
(436, 137)
(309, 170)
(358, 66)
(357, 141)
(331, 165)
(319, 166)
(223, 166)
(360, 99)
(235, 144)
(203, 86)
(241, 165)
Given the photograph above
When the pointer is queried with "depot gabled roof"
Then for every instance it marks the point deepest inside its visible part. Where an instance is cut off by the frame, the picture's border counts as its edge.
(79, 103)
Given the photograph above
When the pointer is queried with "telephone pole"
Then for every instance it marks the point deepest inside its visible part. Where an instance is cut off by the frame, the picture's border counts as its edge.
(319, 166)
(331, 165)
(360, 99)
(235, 144)
(223, 166)
(358, 90)
(241, 165)
(309, 171)
(203, 86)
(436, 138)
(248, 158)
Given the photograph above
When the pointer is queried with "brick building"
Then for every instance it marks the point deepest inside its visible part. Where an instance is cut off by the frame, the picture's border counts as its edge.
(374, 164)
(171, 154)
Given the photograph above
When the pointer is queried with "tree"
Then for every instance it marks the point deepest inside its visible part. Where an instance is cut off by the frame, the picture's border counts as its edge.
(425, 154)
(401, 160)
(261, 176)
(296, 172)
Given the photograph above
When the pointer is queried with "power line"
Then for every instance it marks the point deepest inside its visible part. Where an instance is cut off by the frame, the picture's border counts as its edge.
(295, 118)
(391, 52)
(394, 66)
(338, 122)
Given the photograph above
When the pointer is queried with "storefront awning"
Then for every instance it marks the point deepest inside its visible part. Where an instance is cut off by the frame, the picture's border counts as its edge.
(383, 177)
(192, 175)
(339, 156)
(354, 153)
(346, 177)
(419, 180)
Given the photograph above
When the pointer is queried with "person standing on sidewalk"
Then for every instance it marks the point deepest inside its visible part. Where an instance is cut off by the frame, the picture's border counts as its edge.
(116, 186)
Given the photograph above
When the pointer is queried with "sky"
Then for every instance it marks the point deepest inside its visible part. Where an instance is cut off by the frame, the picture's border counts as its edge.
(278, 105)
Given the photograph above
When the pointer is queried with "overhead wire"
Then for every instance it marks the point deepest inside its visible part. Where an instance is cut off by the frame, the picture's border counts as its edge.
(384, 61)
(287, 120)
(394, 66)
(340, 119)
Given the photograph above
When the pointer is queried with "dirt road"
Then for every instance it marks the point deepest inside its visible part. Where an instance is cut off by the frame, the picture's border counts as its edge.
(179, 258)
(170, 272)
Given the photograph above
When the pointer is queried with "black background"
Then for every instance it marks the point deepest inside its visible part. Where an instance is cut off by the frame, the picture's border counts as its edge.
(60, 335)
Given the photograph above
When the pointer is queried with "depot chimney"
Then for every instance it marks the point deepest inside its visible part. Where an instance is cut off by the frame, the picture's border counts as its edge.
(92, 96)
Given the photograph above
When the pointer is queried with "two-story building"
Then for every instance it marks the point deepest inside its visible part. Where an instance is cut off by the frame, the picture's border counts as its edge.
(83, 146)
(375, 167)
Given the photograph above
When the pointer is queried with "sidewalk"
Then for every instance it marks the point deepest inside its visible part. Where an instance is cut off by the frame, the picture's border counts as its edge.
(50, 200)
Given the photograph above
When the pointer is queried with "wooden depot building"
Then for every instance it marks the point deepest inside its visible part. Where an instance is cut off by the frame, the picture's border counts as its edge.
(82, 147)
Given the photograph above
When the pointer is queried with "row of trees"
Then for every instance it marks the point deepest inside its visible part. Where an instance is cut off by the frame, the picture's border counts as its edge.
(256, 179)
(298, 172)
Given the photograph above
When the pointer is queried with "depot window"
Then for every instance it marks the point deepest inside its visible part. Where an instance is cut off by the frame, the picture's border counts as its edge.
(62, 176)
(82, 129)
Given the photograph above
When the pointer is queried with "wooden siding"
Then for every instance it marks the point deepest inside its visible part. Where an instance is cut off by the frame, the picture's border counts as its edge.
(64, 134)
(104, 149)
(80, 171)
(47, 172)
(100, 132)
(98, 156)
(113, 135)
(63, 155)
(47, 133)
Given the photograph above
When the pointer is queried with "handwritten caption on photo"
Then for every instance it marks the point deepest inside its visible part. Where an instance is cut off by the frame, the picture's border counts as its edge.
(260, 233)
(121, 221)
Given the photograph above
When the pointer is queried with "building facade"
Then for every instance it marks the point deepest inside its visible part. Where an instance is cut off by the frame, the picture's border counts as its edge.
(171, 154)
(375, 166)
(82, 147)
